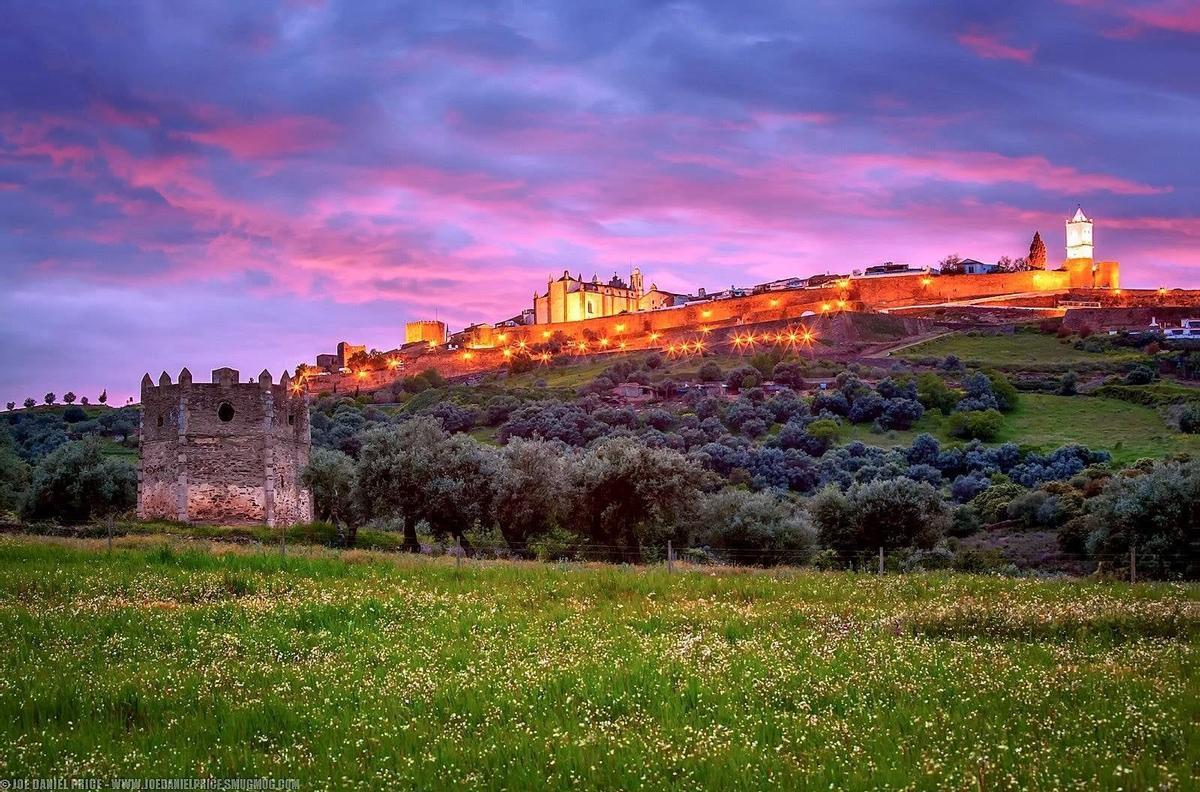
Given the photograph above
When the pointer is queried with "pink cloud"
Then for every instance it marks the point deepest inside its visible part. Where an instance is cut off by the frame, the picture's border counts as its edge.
(266, 138)
(985, 167)
(1174, 16)
(989, 46)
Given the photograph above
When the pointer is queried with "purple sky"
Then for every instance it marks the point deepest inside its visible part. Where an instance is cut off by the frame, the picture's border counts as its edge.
(182, 185)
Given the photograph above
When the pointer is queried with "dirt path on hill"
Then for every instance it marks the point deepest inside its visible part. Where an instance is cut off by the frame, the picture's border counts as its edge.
(890, 349)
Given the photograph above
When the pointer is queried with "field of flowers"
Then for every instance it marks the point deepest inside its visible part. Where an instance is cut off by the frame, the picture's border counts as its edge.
(365, 672)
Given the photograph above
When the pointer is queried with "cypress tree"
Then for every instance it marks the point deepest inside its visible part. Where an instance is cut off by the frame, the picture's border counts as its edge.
(1037, 252)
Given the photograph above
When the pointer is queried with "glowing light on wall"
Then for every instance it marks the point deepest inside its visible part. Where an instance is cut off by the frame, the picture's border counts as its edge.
(468, 355)
(603, 342)
(774, 303)
(825, 307)
(620, 328)
(545, 334)
(706, 314)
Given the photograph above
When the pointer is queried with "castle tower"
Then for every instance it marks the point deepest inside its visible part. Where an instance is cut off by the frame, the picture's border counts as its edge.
(225, 452)
(1079, 236)
(635, 282)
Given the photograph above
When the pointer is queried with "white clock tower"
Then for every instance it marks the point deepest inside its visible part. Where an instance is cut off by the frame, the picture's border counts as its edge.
(1079, 236)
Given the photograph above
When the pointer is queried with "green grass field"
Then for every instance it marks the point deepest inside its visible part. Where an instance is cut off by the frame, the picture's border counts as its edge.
(1045, 422)
(1017, 351)
(364, 673)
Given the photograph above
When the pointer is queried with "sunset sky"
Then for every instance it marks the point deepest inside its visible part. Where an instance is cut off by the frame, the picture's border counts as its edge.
(183, 185)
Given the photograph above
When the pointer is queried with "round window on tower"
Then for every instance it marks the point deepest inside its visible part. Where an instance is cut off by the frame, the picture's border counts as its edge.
(225, 412)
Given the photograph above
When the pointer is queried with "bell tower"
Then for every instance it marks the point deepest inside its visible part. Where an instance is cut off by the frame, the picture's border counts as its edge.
(1079, 236)
(635, 282)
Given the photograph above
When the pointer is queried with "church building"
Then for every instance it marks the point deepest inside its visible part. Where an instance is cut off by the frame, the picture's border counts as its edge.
(571, 299)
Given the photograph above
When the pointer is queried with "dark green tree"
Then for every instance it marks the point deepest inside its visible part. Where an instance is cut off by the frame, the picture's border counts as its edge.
(1037, 252)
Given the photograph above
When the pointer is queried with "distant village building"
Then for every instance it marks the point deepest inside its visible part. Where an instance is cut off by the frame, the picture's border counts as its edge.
(973, 267)
(1188, 330)
(888, 268)
(634, 392)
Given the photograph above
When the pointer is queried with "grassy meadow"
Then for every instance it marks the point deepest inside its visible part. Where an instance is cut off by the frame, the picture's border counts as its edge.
(1045, 421)
(357, 671)
(1024, 350)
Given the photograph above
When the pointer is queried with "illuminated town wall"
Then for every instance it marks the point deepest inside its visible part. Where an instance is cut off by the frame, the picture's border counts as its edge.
(486, 348)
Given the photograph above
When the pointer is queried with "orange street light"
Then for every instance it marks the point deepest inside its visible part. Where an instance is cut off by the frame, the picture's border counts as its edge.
(824, 307)
(545, 334)
(501, 336)
(620, 328)
(706, 314)
(521, 344)
(603, 342)
(774, 303)
(622, 344)
(926, 281)
(467, 355)
(655, 336)
(506, 352)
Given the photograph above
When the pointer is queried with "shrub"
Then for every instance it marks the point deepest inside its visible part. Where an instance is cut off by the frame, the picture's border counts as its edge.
(824, 433)
(935, 394)
(755, 528)
(1068, 385)
(1140, 375)
(901, 413)
(744, 377)
(77, 482)
(1189, 419)
(790, 373)
(992, 503)
(976, 424)
(1158, 512)
(74, 414)
(890, 514)
(710, 372)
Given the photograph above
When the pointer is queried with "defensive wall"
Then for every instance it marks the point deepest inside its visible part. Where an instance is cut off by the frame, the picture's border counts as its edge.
(486, 348)
(223, 452)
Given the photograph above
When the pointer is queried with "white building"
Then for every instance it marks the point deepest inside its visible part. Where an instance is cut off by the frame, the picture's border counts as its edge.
(1079, 236)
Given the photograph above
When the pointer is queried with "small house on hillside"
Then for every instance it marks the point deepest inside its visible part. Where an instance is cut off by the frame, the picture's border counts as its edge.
(973, 267)
(634, 393)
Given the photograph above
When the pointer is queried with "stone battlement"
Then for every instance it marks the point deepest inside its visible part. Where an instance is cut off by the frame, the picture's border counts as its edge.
(225, 451)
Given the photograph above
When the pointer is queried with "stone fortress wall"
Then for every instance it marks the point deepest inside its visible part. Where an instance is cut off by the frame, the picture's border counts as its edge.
(223, 452)
(483, 348)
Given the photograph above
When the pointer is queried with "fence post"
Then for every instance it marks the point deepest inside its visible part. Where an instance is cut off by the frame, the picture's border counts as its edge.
(1132, 563)
(881, 560)
(458, 553)
(110, 532)
(670, 558)
(282, 541)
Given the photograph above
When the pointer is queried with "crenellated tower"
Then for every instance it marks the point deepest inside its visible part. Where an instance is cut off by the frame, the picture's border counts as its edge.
(223, 452)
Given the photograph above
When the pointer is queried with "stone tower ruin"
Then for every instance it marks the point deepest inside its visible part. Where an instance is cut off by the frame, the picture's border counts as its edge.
(225, 452)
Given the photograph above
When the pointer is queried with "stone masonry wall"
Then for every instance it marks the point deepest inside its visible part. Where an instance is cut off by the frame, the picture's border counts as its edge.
(225, 452)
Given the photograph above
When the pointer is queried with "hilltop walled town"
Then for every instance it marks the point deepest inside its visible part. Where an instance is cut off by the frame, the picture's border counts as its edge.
(576, 316)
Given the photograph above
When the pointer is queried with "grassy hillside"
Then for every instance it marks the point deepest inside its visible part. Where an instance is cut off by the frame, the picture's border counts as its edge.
(1045, 422)
(1019, 350)
(359, 672)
